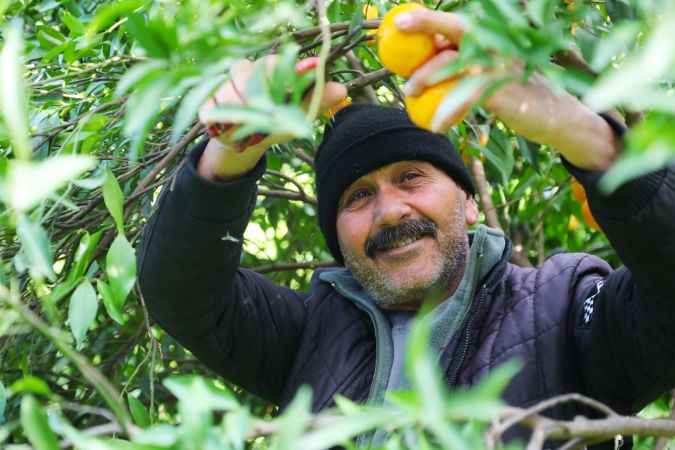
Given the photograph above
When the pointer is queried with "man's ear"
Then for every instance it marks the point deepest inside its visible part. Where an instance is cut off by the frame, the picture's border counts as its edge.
(471, 210)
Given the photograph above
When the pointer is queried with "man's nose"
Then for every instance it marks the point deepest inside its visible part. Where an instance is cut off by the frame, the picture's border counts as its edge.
(390, 208)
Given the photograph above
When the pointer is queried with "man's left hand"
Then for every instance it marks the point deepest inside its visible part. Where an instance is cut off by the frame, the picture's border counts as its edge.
(532, 109)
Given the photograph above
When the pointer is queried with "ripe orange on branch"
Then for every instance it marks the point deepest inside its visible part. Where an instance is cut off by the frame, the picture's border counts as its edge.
(578, 191)
(588, 217)
(335, 108)
(370, 12)
(402, 53)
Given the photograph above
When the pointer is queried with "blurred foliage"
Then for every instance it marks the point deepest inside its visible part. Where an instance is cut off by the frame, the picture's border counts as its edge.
(98, 105)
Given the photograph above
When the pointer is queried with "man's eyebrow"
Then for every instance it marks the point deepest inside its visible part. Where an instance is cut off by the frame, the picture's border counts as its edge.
(348, 191)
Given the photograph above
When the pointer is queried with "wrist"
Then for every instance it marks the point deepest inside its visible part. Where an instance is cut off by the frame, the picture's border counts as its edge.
(595, 145)
(222, 162)
(557, 119)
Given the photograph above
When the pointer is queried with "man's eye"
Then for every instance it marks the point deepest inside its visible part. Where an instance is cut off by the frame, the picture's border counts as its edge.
(408, 176)
(356, 196)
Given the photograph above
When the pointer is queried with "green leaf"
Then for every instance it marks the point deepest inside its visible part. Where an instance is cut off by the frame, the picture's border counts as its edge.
(628, 84)
(137, 74)
(421, 369)
(284, 120)
(197, 399)
(61, 290)
(114, 200)
(457, 98)
(346, 406)
(28, 183)
(121, 270)
(35, 425)
(188, 107)
(82, 310)
(294, 421)
(146, 37)
(13, 92)
(109, 12)
(36, 248)
(237, 425)
(541, 11)
(279, 14)
(162, 435)
(617, 41)
(145, 103)
(50, 38)
(73, 23)
(192, 389)
(110, 303)
(138, 412)
(345, 428)
(3, 403)
(633, 166)
(530, 152)
(31, 384)
(507, 10)
(83, 254)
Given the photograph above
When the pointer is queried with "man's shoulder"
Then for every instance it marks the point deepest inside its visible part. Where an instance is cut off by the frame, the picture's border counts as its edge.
(556, 276)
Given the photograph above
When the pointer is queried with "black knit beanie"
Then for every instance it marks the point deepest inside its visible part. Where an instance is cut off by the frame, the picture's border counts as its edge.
(363, 137)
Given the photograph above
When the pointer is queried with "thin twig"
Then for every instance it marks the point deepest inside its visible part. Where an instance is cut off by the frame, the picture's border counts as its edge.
(521, 415)
(288, 195)
(320, 72)
(279, 267)
(355, 62)
(100, 383)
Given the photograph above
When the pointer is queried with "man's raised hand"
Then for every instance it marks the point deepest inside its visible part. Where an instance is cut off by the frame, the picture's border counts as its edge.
(225, 158)
(532, 109)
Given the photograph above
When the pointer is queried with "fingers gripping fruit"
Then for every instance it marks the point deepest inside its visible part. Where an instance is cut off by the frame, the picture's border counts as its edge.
(402, 53)
(422, 109)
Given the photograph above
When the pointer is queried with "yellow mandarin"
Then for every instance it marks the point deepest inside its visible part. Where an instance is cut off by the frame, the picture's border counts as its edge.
(588, 217)
(578, 191)
(421, 109)
(402, 53)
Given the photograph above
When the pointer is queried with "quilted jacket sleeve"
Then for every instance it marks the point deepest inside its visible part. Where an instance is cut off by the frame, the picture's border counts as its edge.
(624, 323)
(237, 322)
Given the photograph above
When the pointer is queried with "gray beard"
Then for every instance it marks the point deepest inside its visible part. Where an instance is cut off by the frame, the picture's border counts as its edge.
(387, 294)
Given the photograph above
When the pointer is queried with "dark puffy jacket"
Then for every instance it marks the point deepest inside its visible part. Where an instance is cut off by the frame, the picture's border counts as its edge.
(574, 323)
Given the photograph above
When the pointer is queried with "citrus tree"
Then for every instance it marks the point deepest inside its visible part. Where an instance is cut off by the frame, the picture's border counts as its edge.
(99, 105)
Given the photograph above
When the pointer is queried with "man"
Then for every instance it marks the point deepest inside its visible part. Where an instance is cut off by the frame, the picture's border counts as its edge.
(394, 205)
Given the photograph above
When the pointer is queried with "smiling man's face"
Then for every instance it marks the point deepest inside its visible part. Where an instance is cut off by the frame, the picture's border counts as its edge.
(402, 232)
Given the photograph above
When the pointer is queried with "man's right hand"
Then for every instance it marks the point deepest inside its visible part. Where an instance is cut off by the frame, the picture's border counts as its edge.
(225, 159)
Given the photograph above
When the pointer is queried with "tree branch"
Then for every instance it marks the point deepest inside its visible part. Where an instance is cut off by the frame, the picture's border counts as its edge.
(280, 267)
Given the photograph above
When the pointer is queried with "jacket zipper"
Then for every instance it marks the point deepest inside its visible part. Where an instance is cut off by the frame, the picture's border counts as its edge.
(364, 440)
(466, 338)
(377, 343)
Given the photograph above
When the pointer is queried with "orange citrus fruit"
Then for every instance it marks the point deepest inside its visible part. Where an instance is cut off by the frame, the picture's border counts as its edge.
(578, 191)
(483, 139)
(402, 53)
(370, 11)
(334, 109)
(464, 153)
(588, 216)
(421, 109)
(573, 223)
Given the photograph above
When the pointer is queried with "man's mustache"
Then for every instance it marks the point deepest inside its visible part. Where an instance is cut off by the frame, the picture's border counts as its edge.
(388, 237)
